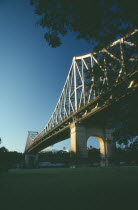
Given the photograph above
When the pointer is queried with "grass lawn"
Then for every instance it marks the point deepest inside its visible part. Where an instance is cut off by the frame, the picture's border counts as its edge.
(74, 189)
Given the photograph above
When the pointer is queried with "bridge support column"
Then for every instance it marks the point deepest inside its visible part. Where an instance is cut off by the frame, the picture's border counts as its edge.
(79, 135)
(31, 160)
(107, 153)
(109, 145)
(78, 140)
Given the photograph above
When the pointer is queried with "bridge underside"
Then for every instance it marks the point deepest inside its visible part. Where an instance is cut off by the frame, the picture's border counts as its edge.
(96, 115)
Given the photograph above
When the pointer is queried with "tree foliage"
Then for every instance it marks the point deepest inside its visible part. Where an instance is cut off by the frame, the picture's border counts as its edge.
(92, 20)
(8, 159)
(125, 119)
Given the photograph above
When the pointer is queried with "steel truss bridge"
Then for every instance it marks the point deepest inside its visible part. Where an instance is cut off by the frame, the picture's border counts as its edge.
(89, 88)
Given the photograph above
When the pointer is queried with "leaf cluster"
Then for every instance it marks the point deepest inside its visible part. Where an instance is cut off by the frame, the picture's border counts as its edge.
(96, 21)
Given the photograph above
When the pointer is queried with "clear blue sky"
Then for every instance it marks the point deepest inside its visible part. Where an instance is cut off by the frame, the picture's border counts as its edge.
(32, 74)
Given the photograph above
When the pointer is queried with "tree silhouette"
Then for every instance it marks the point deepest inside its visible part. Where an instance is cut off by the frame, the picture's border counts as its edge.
(96, 21)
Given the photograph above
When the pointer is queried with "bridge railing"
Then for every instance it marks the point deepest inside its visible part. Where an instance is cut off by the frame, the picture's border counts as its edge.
(91, 74)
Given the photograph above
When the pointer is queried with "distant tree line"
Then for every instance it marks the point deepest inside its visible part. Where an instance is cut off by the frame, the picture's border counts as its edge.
(9, 159)
(128, 155)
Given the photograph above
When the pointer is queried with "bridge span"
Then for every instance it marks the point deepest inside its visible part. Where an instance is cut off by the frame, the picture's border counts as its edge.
(90, 94)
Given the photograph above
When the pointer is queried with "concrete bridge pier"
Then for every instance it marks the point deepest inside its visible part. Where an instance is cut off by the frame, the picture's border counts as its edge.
(78, 139)
(79, 135)
(31, 160)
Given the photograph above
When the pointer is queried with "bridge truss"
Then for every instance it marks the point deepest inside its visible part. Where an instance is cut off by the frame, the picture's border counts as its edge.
(90, 76)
